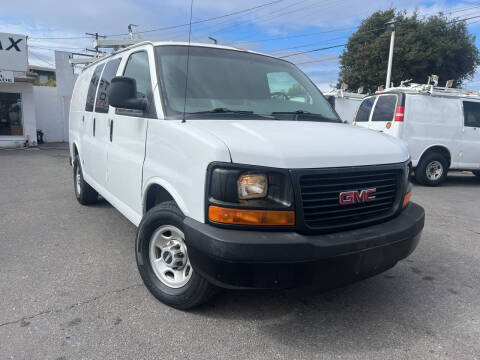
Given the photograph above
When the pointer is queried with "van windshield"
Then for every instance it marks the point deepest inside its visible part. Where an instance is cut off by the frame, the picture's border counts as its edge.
(229, 84)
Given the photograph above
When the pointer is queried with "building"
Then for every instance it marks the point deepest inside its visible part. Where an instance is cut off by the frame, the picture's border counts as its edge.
(44, 75)
(26, 104)
(17, 107)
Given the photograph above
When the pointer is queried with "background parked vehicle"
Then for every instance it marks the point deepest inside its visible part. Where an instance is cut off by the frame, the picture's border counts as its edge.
(441, 126)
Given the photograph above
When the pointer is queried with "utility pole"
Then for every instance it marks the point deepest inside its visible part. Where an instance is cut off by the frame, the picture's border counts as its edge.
(96, 37)
(391, 25)
(130, 30)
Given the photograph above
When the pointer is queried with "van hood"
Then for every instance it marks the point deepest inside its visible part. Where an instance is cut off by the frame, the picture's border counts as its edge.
(303, 144)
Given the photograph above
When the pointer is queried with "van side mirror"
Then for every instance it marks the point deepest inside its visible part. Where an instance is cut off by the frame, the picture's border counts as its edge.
(122, 93)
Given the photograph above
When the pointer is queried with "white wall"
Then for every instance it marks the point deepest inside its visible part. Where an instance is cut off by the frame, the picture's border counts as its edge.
(28, 113)
(50, 113)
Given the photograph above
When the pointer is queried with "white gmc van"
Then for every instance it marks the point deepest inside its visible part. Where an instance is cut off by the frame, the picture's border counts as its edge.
(231, 182)
(440, 125)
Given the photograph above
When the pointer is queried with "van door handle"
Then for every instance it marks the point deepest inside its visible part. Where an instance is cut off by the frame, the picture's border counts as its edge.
(93, 126)
(111, 130)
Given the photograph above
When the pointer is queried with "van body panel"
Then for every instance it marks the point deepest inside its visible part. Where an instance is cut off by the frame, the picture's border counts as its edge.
(431, 121)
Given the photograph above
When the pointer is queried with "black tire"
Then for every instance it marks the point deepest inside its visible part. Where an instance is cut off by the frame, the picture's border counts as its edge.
(86, 195)
(424, 165)
(476, 173)
(197, 290)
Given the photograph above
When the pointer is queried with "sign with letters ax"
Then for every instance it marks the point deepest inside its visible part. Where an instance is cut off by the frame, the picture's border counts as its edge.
(13, 52)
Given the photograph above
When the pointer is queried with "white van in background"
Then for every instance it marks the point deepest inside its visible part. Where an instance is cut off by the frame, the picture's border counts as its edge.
(440, 125)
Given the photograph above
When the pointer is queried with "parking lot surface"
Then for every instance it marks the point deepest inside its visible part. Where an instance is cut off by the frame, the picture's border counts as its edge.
(70, 289)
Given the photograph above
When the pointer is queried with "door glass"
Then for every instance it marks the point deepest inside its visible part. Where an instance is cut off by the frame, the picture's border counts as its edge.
(471, 113)
(11, 114)
(364, 110)
(92, 89)
(101, 104)
(385, 108)
(137, 68)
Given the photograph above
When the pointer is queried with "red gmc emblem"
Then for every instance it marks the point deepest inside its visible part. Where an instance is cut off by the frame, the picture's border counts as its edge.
(355, 197)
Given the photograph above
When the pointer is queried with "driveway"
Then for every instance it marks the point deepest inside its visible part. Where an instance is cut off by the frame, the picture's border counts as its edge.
(69, 286)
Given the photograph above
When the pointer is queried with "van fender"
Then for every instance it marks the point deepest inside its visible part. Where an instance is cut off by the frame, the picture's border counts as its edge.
(74, 145)
(432, 146)
(169, 188)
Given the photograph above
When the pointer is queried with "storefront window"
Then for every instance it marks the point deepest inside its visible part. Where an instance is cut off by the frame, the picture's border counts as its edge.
(11, 114)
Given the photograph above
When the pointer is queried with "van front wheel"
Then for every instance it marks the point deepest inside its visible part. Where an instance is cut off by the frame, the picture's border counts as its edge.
(162, 259)
(431, 170)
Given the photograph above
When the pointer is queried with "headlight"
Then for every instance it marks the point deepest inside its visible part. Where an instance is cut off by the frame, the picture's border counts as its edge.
(245, 195)
(252, 186)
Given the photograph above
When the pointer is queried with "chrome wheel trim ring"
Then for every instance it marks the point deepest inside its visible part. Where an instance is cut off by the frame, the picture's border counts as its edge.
(169, 258)
(434, 170)
(78, 180)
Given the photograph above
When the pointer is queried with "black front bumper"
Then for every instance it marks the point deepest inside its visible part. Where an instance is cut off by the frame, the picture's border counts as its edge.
(264, 259)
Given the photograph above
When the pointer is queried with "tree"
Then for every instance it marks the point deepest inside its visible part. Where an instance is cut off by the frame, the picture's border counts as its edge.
(423, 46)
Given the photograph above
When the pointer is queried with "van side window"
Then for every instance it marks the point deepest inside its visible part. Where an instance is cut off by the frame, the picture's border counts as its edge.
(92, 88)
(101, 103)
(385, 108)
(137, 68)
(471, 113)
(364, 110)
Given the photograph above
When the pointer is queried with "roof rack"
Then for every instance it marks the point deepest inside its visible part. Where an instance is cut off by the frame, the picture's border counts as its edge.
(428, 89)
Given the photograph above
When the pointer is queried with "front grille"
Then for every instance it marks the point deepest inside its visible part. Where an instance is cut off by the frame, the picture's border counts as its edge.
(320, 197)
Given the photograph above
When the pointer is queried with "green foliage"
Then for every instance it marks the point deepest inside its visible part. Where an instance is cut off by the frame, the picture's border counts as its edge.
(423, 46)
(51, 82)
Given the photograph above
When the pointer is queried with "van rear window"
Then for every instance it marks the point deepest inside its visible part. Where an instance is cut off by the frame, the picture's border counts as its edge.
(364, 110)
(471, 113)
(385, 108)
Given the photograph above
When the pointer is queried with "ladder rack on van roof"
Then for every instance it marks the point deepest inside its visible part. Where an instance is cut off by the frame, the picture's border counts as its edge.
(433, 91)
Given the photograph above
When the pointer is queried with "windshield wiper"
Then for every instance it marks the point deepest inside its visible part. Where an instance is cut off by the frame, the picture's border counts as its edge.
(223, 111)
(230, 111)
(305, 113)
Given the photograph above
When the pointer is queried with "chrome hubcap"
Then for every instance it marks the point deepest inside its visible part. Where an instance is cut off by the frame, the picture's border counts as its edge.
(168, 256)
(434, 170)
(78, 180)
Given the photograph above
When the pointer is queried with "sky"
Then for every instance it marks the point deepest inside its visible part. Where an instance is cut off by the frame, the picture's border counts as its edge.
(277, 27)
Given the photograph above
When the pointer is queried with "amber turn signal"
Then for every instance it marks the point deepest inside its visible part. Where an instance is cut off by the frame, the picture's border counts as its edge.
(406, 198)
(251, 217)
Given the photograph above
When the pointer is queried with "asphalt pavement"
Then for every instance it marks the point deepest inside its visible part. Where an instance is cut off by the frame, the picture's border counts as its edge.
(70, 289)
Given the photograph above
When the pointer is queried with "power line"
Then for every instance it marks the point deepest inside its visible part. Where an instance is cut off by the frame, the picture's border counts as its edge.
(322, 32)
(319, 60)
(204, 20)
(167, 27)
(341, 45)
